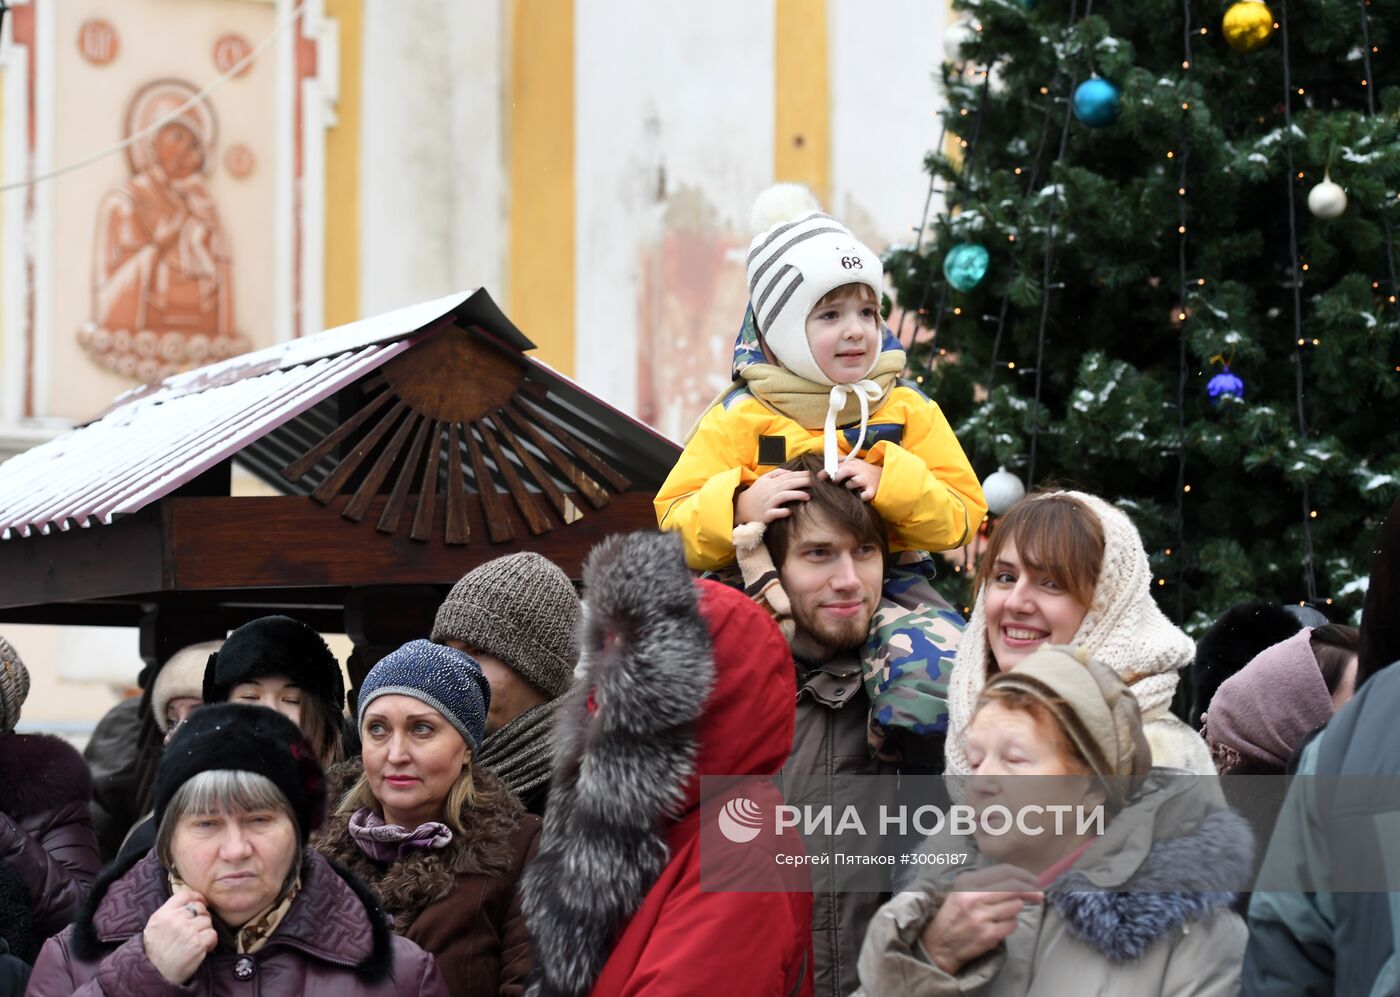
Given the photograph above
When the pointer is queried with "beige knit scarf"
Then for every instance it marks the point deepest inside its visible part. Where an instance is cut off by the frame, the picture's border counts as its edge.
(1123, 628)
(807, 403)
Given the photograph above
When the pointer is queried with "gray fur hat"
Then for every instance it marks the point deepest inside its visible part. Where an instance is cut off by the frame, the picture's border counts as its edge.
(522, 609)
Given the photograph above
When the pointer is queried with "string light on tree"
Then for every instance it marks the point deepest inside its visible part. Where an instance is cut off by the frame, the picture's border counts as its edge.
(1248, 25)
(1097, 102)
(1327, 200)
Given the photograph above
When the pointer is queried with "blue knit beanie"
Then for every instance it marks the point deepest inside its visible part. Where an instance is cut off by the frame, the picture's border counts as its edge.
(448, 680)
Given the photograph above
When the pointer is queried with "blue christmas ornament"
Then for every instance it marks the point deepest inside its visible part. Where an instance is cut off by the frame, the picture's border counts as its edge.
(966, 264)
(1223, 384)
(1096, 102)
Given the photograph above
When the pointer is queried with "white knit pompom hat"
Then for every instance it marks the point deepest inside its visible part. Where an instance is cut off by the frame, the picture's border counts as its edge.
(1123, 628)
(798, 257)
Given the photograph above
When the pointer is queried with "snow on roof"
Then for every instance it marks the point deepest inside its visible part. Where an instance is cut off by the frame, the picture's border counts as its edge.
(158, 437)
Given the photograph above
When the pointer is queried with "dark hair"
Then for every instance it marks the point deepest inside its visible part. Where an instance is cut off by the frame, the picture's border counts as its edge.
(1379, 641)
(841, 507)
(1054, 532)
(1332, 646)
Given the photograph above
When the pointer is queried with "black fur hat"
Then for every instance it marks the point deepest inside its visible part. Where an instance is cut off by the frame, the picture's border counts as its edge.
(1231, 643)
(275, 645)
(242, 738)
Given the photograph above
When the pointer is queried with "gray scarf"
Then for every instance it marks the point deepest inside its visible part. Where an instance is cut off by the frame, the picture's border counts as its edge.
(521, 753)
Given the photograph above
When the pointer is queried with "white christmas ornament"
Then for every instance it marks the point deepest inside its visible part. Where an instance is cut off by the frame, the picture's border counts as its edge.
(955, 37)
(1327, 199)
(1002, 490)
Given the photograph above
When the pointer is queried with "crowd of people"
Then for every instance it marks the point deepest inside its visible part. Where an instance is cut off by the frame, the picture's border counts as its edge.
(512, 804)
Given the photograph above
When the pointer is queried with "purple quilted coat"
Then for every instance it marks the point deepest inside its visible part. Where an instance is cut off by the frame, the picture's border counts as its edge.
(334, 942)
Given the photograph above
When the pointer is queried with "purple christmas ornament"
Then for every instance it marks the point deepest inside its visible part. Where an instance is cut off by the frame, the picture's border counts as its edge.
(1223, 384)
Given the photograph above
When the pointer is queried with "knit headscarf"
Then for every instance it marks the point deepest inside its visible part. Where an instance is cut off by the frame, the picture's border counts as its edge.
(1123, 628)
(14, 686)
(1262, 712)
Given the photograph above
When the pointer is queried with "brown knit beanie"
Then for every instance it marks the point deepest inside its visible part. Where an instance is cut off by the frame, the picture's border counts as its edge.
(14, 686)
(1094, 707)
(522, 609)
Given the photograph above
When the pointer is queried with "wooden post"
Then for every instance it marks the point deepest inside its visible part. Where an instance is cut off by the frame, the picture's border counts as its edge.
(167, 629)
(382, 618)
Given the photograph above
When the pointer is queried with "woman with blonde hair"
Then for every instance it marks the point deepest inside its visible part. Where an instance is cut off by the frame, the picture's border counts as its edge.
(1066, 567)
(442, 842)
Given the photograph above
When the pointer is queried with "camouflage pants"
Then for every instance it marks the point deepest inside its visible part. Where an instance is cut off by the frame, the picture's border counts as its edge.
(908, 657)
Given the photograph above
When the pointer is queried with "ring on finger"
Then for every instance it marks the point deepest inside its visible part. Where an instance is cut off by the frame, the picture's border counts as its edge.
(194, 910)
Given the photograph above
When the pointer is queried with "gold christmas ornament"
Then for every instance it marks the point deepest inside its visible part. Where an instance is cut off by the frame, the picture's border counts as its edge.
(1248, 25)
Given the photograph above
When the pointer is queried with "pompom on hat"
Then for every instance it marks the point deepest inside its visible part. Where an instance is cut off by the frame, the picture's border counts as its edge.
(798, 257)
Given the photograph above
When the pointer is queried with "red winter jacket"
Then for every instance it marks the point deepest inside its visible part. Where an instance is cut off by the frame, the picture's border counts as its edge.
(685, 679)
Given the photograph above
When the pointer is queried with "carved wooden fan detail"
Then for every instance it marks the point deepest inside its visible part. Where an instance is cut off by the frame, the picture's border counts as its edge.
(452, 409)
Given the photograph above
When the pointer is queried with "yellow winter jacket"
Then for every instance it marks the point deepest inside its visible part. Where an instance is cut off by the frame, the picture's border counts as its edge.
(928, 494)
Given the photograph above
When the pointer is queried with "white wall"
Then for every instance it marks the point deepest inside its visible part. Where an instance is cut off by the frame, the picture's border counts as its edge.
(431, 180)
(884, 67)
(674, 135)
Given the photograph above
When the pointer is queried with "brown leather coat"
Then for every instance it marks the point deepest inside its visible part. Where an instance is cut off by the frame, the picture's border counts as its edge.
(461, 902)
(334, 940)
(46, 830)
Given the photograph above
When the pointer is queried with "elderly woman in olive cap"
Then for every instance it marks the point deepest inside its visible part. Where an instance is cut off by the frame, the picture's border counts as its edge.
(1136, 904)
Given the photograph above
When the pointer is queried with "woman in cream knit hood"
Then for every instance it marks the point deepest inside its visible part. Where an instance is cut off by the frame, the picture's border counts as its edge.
(1068, 568)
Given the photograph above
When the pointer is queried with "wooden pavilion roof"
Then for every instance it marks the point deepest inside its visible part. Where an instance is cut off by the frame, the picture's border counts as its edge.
(406, 449)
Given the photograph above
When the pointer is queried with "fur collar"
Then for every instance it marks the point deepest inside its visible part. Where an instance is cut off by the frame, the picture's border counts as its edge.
(417, 881)
(129, 891)
(39, 772)
(1124, 924)
(625, 757)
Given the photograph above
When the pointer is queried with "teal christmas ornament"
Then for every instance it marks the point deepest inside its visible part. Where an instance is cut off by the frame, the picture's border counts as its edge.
(1097, 102)
(1225, 384)
(966, 264)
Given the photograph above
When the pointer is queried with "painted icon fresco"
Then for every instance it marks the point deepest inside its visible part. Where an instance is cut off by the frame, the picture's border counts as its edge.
(162, 269)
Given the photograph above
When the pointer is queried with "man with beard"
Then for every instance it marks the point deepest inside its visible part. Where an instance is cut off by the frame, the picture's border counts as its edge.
(820, 569)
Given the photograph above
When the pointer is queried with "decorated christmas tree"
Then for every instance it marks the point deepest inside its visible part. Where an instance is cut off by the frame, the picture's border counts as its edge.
(1166, 272)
